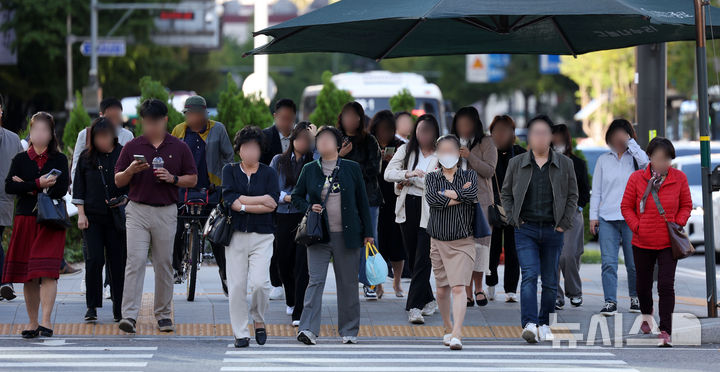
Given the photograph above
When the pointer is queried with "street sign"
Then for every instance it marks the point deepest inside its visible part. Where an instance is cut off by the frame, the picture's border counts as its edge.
(486, 68)
(105, 48)
(549, 64)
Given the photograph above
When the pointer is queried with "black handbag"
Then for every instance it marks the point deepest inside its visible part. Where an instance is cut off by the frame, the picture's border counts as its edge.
(312, 229)
(218, 227)
(496, 212)
(52, 212)
(481, 228)
(116, 205)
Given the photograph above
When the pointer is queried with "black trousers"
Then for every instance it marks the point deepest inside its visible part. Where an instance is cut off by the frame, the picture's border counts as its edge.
(104, 245)
(417, 246)
(179, 251)
(286, 256)
(2, 254)
(512, 267)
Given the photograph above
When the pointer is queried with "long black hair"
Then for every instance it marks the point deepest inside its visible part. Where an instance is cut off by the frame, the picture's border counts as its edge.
(564, 131)
(99, 126)
(361, 130)
(413, 145)
(383, 117)
(54, 144)
(284, 162)
(472, 114)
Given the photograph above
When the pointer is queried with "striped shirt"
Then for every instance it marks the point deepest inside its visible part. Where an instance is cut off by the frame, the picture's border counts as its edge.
(451, 222)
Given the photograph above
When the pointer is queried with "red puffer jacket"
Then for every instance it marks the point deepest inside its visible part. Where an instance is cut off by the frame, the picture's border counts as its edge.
(649, 228)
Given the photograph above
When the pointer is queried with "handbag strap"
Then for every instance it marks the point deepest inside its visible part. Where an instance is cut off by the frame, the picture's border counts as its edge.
(329, 180)
(499, 201)
(102, 178)
(659, 206)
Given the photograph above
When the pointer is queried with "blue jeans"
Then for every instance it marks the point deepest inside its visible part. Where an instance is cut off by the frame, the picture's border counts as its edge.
(374, 213)
(538, 249)
(611, 236)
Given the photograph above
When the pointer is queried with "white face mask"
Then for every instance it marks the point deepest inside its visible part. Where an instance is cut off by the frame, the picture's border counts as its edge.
(560, 149)
(448, 160)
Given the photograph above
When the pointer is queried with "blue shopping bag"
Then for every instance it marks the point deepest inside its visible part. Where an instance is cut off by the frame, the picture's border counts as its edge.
(376, 269)
(481, 227)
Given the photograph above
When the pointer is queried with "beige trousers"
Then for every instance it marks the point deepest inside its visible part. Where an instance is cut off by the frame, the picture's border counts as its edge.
(145, 225)
(248, 265)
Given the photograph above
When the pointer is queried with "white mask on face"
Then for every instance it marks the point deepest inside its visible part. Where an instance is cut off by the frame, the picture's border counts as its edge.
(560, 148)
(448, 161)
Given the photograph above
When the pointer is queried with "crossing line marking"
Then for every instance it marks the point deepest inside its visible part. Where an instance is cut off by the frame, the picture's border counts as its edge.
(71, 364)
(79, 348)
(75, 356)
(424, 369)
(425, 360)
(414, 352)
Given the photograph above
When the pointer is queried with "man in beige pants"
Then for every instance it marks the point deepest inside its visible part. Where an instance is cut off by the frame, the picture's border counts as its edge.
(152, 212)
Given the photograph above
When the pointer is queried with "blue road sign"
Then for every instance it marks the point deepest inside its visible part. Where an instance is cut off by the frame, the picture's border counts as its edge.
(549, 64)
(105, 48)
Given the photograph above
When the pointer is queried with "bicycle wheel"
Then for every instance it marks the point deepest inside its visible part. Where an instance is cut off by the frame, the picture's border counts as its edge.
(194, 245)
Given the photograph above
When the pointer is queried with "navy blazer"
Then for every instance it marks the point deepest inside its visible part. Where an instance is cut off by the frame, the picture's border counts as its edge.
(263, 182)
(271, 144)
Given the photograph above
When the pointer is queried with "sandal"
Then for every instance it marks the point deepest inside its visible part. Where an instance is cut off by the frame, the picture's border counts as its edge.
(45, 332)
(482, 302)
(470, 302)
(30, 333)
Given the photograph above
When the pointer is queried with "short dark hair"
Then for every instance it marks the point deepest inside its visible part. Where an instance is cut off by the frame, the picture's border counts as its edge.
(564, 131)
(662, 144)
(2, 102)
(448, 137)
(502, 119)
(620, 124)
(110, 102)
(538, 118)
(248, 134)
(153, 108)
(382, 117)
(285, 102)
(330, 130)
(401, 113)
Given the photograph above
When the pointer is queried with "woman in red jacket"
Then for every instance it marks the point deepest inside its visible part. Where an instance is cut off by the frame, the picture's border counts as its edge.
(651, 240)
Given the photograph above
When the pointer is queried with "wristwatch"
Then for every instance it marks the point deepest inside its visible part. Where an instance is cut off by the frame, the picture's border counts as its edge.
(175, 180)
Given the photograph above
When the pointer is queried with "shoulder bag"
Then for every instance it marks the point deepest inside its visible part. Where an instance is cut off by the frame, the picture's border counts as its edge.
(312, 229)
(496, 212)
(116, 205)
(52, 212)
(218, 227)
(679, 240)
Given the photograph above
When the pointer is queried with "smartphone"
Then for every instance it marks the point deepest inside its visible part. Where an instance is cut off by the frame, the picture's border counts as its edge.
(345, 140)
(54, 172)
(140, 158)
(390, 150)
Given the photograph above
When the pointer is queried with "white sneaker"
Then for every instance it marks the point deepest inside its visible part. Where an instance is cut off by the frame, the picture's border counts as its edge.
(511, 297)
(349, 340)
(296, 323)
(446, 339)
(83, 288)
(490, 293)
(455, 344)
(106, 293)
(289, 310)
(530, 333)
(277, 293)
(415, 317)
(545, 333)
(429, 308)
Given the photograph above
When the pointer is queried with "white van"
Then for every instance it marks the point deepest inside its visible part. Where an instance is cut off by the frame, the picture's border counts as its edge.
(373, 90)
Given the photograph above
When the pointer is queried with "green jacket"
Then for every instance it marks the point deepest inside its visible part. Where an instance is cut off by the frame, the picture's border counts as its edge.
(562, 179)
(354, 199)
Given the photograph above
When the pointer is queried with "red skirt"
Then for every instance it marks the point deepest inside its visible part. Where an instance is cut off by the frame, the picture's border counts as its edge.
(35, 251)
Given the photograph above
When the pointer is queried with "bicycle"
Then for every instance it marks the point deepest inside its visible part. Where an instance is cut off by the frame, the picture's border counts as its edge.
(194, 211)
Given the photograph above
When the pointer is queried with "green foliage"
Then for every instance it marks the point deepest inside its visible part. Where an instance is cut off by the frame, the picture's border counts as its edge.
(73, 242)
(330, 101)
(150, 88)
(402, 101)
(236, 110)
(79, 120)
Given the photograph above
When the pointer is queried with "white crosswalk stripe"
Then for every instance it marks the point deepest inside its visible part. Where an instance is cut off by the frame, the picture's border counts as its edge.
(424, 357)
(81, 358)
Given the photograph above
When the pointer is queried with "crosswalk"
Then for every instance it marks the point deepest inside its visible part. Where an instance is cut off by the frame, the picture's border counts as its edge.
(426, 357)
(71, 358)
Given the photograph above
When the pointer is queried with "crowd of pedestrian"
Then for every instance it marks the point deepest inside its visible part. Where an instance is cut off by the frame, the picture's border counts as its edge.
(392, 180)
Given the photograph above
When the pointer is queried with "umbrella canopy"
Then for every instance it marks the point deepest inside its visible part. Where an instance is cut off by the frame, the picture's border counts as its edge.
(401, 28)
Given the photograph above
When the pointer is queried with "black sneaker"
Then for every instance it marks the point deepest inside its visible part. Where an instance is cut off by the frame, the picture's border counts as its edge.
(7, 292)
(127, 325)
(369, 292)
(177, 277)
(609, 309)
(634, 305)
(91, 315)
(576, 301)
(166, 325)
(559, 304)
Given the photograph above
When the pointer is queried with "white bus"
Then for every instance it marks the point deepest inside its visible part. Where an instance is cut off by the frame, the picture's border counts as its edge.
(373, 90)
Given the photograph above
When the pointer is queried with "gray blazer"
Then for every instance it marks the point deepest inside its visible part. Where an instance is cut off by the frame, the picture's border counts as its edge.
(562, 179)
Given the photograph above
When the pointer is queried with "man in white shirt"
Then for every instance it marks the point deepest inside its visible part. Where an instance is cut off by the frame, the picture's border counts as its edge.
(110, 108)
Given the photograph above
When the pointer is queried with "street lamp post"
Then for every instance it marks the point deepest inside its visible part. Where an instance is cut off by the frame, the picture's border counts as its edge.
(702, 101)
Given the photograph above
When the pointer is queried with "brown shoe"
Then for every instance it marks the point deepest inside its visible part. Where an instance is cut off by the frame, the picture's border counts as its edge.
(68, 269)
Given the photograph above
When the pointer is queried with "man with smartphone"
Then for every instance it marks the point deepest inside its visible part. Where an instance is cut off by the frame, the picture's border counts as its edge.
(151, 214)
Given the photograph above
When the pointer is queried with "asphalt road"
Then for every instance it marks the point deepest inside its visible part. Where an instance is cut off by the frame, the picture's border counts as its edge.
(212, 354)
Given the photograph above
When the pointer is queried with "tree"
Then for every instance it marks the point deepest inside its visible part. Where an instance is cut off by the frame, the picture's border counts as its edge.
(150, 88)
(79, 120)
(330, 101)
(402, 101)
(236, 110)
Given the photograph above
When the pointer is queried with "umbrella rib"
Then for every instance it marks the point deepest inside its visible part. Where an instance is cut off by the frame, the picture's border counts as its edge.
(529, 23)
(273, 41)
(476, 23)
(563, 36)
(399, 40)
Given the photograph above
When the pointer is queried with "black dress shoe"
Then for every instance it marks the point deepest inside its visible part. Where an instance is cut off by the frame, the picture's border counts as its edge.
(45, 332)
(260, 336)
(242, 342)
(30, 333)
(91, 315)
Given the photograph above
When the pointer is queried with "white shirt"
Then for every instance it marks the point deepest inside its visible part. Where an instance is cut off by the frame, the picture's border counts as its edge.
(610, 178)
(284, 141)
(401, 138)
(423, 163)
(463, 162)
